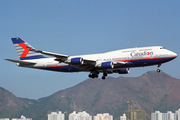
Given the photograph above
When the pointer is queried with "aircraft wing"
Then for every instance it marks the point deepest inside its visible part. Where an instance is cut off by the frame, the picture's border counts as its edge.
(60, 56)
(21, 61)
(63, 58)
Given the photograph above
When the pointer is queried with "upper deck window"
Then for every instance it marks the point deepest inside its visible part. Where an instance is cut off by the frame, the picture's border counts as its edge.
(162, 48)
(129, 51)
(145, 49)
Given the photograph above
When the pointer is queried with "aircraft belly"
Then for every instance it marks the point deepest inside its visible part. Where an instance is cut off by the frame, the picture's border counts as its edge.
(67, 68)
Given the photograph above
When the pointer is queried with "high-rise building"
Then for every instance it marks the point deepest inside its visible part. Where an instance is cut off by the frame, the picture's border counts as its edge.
(165, 116)
(123, 117)
(56, 116)
(22, 118)
(177, 114)
(80, 116)
(157, 116)
(170, 115)
(135, 115)
(104, 116)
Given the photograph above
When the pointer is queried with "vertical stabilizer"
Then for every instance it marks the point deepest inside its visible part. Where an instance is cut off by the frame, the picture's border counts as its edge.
(23, 50)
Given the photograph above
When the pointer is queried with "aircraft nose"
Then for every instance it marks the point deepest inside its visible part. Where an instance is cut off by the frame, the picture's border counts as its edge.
(175, 54)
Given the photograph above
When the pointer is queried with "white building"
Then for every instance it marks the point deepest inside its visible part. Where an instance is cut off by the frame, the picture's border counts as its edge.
(177, 115)
(170, 115)
(104, 116)
(156, 116)
(56, 116)
(166, 116)
(4, 118)
(22, 118)
(80, 116)
(123, 117)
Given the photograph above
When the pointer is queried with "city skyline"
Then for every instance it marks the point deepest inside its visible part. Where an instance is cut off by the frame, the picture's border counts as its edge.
(83, 27)
(157, 115)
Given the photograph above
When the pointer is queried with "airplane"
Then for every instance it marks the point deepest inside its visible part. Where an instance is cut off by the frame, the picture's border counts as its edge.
(118, 61)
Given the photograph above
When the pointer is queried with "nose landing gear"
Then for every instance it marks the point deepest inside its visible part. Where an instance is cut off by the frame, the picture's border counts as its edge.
(158, 70)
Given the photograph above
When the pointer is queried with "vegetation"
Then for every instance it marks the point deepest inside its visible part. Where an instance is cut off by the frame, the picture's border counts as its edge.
(99, 96)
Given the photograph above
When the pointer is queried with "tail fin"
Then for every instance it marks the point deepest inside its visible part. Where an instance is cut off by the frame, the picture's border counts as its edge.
(23, 50)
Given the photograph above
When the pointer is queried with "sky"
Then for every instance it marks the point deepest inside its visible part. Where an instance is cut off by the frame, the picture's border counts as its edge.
(82, 27)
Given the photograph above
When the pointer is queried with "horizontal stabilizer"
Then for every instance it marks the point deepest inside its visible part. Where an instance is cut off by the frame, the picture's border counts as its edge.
(20, 61)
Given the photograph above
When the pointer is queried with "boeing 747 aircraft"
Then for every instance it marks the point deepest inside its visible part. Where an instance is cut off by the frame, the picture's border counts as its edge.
(119, 61)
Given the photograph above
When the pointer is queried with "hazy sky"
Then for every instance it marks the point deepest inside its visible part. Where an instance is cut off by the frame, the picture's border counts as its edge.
(82, 27)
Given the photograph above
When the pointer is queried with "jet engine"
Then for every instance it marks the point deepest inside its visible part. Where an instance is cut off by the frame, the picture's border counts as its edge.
(77, 61)
(107, 65)
(122, 71)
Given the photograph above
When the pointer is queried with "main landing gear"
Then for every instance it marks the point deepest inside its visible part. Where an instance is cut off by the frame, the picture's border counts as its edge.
(95, 74)
(158, 70)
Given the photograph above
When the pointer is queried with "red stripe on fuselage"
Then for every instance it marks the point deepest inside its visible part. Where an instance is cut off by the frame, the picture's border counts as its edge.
(146, 58)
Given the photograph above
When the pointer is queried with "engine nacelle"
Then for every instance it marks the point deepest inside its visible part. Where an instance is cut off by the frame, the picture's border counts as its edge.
(122, 71)
(77, 61)
(107, 65)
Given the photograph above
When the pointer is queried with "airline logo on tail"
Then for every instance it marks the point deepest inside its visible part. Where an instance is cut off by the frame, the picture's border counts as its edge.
(23, 50)
(26, 49)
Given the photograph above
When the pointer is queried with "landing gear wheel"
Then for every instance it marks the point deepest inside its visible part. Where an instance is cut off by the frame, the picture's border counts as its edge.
(103, 77)
(93, 75)
(104, 74)
(158, 70)
(90, 76)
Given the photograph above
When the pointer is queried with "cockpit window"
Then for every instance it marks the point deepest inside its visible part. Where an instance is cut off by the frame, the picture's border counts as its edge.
(162, 47)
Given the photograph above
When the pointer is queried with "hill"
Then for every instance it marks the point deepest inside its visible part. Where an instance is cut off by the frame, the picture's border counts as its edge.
(151, 91)
(10, 105)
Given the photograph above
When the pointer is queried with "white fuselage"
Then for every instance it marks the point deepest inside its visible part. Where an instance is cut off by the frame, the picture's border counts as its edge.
(125, 58)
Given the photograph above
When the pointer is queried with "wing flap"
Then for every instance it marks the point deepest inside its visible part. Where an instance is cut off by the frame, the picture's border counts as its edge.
(88, 61)
(20, 61)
